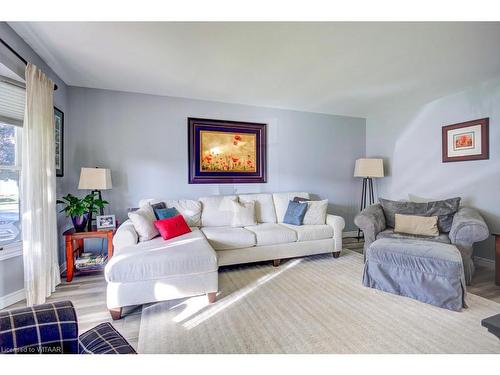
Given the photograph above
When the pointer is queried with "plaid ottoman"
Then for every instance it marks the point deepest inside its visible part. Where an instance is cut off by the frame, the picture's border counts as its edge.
(52, 328)
(104, 339)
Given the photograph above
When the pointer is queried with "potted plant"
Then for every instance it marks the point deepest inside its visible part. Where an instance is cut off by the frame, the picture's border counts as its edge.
(80, 209)
(77, 209)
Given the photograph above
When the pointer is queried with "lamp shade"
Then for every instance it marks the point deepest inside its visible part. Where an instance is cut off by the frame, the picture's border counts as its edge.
(369, 168)
(95, 179)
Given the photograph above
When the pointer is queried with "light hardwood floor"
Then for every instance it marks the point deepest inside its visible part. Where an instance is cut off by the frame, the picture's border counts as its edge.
(88, 294)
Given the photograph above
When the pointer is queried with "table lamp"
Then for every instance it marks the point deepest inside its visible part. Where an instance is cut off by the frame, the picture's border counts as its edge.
(95, 179)
(368, 169)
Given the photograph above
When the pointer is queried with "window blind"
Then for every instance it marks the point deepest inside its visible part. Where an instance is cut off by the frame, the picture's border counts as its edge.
(12, 101)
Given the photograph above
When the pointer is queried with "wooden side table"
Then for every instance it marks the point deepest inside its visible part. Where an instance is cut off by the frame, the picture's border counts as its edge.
(497, 258)
(75, 246)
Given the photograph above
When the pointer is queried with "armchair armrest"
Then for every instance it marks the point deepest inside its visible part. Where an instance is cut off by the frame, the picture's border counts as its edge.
(125, 235)
(371, 221)
(468, 227)
(47, 328)
(338, 224)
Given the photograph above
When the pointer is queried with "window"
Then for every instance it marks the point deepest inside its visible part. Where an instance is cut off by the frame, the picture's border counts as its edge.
(10, 168)
(12, 99)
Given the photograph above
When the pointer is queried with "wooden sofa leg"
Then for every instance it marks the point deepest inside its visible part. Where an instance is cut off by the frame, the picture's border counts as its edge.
(336, 254)
(276, 262)
(212, 296)
(116, 313)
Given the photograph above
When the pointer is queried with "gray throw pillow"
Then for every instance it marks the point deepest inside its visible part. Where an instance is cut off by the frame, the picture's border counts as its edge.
(295, 213)
(445, 210)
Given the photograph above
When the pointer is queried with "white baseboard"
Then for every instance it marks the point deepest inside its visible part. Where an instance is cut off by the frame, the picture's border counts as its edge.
(352, 233)
(485, 262)
(12, 298)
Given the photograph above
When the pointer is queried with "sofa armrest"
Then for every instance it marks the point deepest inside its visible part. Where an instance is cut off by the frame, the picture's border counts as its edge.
(125, 235)
(41, 329)
(468, 227)
(338, 224)
(371, 221)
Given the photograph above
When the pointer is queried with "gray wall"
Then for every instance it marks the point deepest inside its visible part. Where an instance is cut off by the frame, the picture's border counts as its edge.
(143, 139)
(11, 270)
(409, 138)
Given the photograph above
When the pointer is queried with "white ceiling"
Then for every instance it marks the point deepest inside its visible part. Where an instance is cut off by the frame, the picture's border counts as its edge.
(339, 68)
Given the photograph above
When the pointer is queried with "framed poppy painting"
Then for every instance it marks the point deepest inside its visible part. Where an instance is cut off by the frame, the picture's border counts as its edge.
(466, 141)
(226, 151)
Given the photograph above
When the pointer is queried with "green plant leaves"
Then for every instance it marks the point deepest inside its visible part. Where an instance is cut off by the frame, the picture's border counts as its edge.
(75, 206)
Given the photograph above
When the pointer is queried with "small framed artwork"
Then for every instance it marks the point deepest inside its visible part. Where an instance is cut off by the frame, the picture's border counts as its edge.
(466, 141)
(226, 151)
(105, 221)
(59, 140)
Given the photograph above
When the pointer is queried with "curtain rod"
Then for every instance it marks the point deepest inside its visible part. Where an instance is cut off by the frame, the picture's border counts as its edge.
(18, 56)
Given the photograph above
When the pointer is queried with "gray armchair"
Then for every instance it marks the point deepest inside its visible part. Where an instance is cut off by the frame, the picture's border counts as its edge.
(467, 227)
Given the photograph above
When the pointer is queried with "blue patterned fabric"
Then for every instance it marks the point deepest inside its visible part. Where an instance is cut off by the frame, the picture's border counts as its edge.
(165, 213)
(50, 328)
(104, 339)
(295, 213)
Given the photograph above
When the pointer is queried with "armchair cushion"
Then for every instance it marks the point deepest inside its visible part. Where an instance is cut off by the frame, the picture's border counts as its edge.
(104, 339)
(41, 329)
(444, 210)
(468, 227)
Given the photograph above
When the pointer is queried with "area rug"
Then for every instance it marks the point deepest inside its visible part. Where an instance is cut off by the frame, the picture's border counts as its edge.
(311, 305)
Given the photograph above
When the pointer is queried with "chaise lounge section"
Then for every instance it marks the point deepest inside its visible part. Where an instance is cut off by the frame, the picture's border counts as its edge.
(158, 270)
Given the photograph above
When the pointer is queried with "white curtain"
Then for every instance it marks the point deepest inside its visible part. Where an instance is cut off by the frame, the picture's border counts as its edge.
(38, 189)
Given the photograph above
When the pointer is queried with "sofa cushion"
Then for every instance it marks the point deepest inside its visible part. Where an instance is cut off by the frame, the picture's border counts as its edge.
(143, 220)
(295, 213)
(389, 233)
(444, 210)
(228, 238)
(217, 211)
(243, 214)
(158, 259)
(316, 212)
(172, 227)
(281, 201)
(264, 206)
(189, 209)
(272, 234)
(311, 232)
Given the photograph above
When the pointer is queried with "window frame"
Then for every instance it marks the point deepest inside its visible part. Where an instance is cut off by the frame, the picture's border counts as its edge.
(14, 249)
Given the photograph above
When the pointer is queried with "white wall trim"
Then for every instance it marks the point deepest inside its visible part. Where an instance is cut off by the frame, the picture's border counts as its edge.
(485, 262)
(352, 233)
(12, 298)
(11, 250)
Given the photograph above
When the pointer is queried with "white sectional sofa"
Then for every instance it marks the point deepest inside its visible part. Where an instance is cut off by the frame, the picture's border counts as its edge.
(157, 270)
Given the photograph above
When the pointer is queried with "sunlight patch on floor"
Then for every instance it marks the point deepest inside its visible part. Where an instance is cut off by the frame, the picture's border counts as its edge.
(236, 296)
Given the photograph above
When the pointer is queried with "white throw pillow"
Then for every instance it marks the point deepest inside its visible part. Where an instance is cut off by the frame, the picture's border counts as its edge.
(243, 214)
(143, 220)
(316, 212)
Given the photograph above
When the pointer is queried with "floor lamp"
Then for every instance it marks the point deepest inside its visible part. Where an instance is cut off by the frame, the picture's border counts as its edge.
(95, 179)
(368, 169)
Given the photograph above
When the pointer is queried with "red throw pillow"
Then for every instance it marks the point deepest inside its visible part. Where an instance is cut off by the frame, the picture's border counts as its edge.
(172, 227)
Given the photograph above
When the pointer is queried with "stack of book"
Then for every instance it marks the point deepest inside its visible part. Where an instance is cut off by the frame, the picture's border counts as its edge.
(90, 262)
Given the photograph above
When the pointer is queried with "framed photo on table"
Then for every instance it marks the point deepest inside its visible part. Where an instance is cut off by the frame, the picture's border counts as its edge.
(466, 141)
(59, 140)
(226, 151)
(105, 222)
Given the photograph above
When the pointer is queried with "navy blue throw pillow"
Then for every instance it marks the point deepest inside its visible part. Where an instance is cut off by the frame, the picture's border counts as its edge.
(295, 213)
